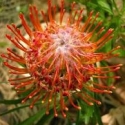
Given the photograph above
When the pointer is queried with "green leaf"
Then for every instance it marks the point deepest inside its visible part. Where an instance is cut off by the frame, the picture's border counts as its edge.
(69, 122)
(92, 5)
(105, 6)
(85, 114)
(3, 44)
(45, 118)
(121, 52)
(32, 119)
(78, 116)
(109, 80)
(107, 47)
(1, 60)
(98, 115)
(15, 109)
(8, 102)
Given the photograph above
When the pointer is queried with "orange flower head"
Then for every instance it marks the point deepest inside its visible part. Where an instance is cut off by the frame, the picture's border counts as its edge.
(60, 58)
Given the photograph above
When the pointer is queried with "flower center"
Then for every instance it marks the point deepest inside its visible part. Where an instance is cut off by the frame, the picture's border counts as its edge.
(57, 61)
(65, 40)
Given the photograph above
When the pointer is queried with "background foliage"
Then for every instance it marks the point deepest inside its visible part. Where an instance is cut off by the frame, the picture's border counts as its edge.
(112, 13)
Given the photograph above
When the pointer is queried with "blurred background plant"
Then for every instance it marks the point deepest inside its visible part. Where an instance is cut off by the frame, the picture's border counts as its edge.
(112, 110)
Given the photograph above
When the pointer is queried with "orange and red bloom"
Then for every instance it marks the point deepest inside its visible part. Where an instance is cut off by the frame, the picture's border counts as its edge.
(60, 59)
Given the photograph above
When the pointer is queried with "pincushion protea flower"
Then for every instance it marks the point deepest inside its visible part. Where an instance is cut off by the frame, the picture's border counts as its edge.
(60, 58)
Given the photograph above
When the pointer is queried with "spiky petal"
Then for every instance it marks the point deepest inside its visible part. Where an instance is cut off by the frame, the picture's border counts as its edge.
(61, 59)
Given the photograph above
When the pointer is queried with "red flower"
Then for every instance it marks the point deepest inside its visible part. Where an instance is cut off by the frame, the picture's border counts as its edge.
(61, 59)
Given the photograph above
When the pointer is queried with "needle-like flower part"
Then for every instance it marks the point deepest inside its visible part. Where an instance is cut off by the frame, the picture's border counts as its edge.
(60, 59)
